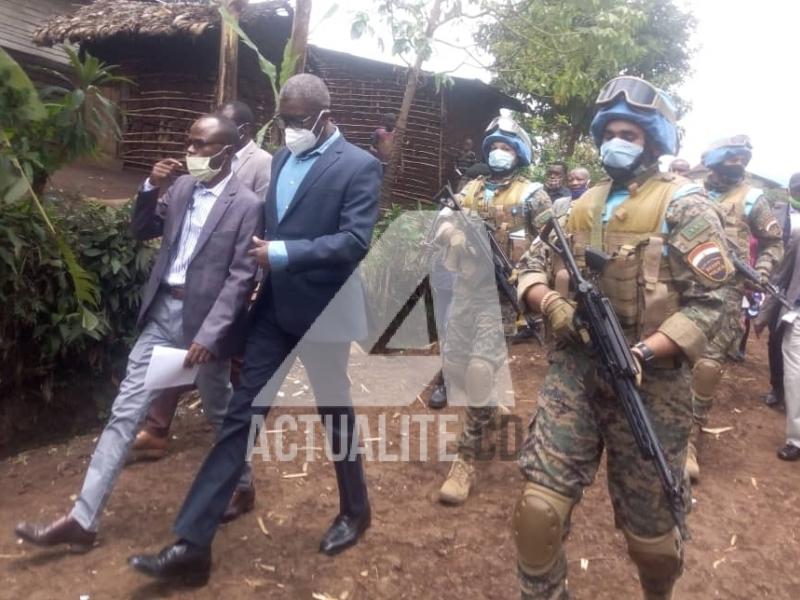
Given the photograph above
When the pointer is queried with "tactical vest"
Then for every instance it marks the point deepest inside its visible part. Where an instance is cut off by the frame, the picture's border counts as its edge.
(735, 206)
(504, 211)
(637, 280)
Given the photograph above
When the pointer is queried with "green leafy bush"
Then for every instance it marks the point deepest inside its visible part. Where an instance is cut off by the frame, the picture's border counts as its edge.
(49, 340)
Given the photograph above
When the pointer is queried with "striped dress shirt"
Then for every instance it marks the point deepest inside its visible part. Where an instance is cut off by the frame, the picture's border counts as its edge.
(197, 212)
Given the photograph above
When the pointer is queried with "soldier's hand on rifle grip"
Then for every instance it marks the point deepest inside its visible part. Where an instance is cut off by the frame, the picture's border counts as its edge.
(560, 315)
(456, 254)
(763, 281)
(763, 277)
(639, 362)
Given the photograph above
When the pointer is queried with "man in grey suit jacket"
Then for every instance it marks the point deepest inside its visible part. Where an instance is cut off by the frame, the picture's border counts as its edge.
(320, 212)
(250, 163)
(196, 298)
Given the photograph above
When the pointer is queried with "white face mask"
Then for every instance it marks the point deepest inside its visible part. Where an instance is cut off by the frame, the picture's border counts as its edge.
(620, 154)
(199, 166)
(501, 160)
(302, 140)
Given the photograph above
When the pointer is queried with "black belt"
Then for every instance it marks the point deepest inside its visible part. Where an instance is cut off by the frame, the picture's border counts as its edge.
(176, 291)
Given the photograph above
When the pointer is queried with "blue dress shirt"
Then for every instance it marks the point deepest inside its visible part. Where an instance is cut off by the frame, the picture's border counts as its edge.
(292, 173)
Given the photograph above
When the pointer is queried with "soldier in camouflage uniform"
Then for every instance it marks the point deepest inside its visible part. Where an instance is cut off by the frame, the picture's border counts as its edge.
(745, 211)
(668, 262)
(475, 347)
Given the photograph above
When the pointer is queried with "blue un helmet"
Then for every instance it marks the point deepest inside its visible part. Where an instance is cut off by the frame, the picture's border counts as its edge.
(636, 100)
(505, 129)
(729, 147)
(726, 149)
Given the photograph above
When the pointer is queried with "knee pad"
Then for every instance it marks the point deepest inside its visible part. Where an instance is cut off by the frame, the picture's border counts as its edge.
(540, 523)
(453, 372)
(479, 380)
(706, 375)
(659, 560)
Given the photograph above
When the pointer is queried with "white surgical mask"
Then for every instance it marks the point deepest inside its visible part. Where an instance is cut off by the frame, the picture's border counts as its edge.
(620, 154)
(199, 166)
(302, 140)
(501, 160)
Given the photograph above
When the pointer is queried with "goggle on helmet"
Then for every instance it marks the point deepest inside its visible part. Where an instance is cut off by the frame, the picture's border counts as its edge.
(720, 150)
(508, 125)
(638, 93)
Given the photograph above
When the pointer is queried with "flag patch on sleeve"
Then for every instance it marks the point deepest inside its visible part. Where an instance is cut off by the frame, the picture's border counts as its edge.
(707, 260)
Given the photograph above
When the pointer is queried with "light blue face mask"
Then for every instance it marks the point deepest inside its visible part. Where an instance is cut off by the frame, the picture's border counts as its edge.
(619, 154)
(501, 160)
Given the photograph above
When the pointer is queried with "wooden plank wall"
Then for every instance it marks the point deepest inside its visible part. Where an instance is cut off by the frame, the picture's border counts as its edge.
(20, 18)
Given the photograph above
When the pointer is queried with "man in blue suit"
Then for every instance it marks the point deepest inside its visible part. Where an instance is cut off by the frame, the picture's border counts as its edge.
(321, 208)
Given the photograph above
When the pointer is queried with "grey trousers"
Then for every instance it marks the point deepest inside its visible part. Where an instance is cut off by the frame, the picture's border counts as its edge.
(163, 328)
(791, 380)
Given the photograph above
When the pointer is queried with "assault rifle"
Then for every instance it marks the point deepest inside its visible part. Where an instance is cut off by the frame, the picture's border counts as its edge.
(503, 269)
(751, 275)
(595, 314)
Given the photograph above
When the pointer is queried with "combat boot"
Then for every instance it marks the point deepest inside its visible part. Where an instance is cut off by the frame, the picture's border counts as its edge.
(455, 489)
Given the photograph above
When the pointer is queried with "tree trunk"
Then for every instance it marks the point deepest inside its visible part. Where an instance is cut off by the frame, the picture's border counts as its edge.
(396, 157)
(227, 88)
(298, 43)
(573, 135)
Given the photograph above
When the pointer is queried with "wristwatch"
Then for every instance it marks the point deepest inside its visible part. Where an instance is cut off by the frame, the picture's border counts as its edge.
(645, 351)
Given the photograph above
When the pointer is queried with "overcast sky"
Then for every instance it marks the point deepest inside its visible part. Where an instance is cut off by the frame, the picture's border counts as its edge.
(745, 76)
(746, 81)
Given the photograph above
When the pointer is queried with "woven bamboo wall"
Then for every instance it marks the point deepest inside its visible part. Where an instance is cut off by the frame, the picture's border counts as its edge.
(158, 114)
(174, 82)
(361, 92)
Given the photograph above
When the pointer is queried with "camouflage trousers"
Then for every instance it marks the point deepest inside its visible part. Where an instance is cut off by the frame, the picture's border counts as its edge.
(719, 346)
(475, 334)
(576, 420)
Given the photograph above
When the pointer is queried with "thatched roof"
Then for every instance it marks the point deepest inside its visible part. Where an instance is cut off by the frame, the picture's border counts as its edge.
(105, 19)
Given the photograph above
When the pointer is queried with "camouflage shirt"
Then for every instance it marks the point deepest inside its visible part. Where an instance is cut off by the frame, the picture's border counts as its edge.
(699, 263)
(760, 222)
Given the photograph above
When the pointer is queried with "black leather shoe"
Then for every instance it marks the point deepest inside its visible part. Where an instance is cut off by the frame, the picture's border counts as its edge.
(344, 533)
(65, 530)
(773, 400)
(789, 452)
(524, 335)
(438, 398)
(242, 502)
(181, 562)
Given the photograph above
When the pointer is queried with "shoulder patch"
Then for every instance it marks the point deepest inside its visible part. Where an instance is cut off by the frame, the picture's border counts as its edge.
(708, 260)
(774, 229)
(695, 227)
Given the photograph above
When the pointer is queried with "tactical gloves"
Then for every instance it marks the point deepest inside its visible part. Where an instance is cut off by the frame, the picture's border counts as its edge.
(560, 315)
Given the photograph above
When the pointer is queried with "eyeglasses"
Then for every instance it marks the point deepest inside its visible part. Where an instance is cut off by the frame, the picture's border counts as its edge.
(282, 122)
(638, 93)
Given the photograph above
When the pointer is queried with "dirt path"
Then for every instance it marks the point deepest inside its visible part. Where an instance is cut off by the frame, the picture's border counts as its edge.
(746, 522)
(106, 183)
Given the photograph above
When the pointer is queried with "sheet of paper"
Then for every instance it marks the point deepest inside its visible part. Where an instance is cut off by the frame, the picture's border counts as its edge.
(166, 369)
(517, 235)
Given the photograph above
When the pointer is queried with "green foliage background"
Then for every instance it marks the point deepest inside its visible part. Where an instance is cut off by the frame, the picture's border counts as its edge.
(46, 344)
(557, 55)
